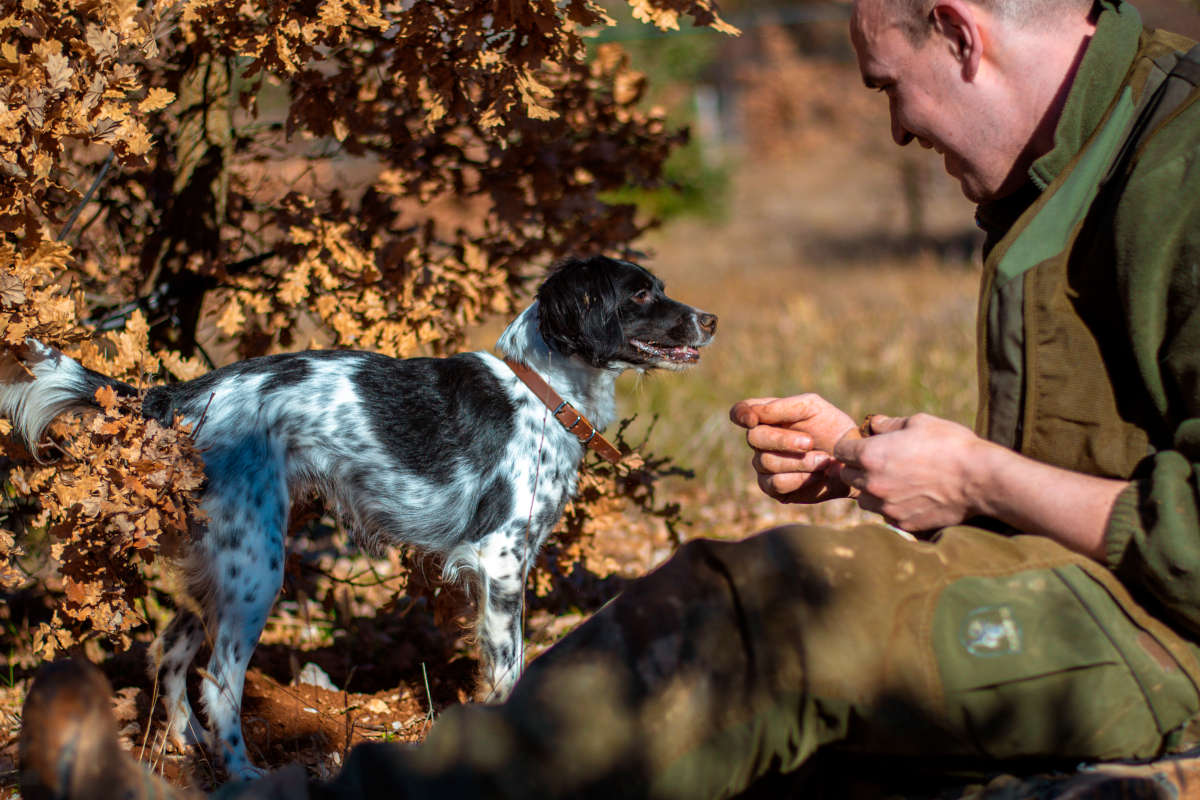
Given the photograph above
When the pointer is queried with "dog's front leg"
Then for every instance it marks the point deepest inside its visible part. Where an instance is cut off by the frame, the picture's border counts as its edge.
(503, 565)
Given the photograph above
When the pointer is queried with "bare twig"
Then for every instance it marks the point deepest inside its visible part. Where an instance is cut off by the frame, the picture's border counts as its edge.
(429, 717)
(87, 197)
(203, 416)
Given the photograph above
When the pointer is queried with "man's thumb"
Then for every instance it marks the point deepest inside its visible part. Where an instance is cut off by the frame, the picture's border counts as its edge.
(881, 423)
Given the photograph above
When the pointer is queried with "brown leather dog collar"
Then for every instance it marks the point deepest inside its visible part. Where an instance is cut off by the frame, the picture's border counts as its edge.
(565, 413)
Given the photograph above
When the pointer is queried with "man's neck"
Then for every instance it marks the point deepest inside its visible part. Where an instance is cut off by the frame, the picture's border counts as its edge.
(1044, 71)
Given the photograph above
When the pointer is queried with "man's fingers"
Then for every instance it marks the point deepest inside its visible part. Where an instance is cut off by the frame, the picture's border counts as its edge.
(849, 448)
(773, 463)
(796, 487)
(853, 476)
(745, 412)
(767, 437)
(788, 410)
(785, 484)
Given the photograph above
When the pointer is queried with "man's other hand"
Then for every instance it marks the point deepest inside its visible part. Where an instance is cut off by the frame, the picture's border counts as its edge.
(914, 471)
(792, 439)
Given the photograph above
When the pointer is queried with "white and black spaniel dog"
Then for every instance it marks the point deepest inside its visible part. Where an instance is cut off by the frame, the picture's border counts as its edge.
(461, 456)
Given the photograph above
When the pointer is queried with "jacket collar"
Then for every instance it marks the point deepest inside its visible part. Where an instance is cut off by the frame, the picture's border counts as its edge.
(1105, 65)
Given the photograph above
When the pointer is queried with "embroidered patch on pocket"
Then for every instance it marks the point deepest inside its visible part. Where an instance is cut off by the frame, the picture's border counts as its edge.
(990, 631)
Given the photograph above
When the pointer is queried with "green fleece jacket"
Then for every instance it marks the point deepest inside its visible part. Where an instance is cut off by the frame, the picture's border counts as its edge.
(1134, 280)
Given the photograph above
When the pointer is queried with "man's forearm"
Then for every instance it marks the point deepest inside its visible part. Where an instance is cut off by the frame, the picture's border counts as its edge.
(1070, 507)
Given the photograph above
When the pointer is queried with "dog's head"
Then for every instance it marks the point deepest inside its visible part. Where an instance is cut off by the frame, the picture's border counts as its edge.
(614, 314)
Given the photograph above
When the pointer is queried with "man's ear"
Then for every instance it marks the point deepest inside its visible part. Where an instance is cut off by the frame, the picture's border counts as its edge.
(958, 24)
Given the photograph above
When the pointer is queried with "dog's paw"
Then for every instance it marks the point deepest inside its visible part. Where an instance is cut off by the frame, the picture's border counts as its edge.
(185, 737)
(490, 693)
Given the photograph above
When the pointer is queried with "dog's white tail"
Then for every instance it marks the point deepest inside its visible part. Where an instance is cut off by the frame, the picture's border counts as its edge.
(41, 384)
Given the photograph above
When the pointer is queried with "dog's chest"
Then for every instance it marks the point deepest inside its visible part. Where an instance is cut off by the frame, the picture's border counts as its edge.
(547, 462)
(541, 440)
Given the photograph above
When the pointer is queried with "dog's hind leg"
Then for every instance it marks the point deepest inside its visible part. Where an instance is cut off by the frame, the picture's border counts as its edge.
(502, 568)
(170, 656)
(247, 519)
(243, 594)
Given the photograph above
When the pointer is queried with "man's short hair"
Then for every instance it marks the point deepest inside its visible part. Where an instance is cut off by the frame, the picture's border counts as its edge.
(913, 16)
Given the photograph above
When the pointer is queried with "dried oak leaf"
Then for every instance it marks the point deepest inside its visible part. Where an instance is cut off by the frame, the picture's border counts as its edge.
(106, 396)
(156, 100)
(12, 290)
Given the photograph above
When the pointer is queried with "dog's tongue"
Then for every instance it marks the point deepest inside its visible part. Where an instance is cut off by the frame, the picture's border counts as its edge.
(681, 354)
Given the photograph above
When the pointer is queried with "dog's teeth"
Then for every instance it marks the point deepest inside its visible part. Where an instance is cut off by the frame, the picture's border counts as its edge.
(682, 353)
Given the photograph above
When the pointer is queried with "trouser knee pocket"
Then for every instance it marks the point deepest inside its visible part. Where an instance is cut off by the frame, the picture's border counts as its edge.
(1049, 662)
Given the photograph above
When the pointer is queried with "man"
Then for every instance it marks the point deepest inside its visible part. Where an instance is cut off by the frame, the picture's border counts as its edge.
(1052, 614)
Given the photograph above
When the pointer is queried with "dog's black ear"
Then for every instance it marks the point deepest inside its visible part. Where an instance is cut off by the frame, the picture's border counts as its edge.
(578, 310)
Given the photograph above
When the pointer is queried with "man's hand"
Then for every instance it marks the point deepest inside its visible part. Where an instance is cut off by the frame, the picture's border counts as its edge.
(914, 471)
(792, 439)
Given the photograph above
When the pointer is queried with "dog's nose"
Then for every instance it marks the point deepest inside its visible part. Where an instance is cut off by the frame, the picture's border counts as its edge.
(707, 323)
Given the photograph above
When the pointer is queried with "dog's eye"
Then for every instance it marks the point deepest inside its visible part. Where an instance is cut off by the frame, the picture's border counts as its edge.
(643, 297)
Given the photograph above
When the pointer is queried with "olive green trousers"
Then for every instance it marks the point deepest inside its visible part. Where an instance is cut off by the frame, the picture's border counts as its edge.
(736, 659)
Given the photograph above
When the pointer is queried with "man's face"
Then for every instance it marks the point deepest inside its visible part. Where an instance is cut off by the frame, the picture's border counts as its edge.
(930, 100)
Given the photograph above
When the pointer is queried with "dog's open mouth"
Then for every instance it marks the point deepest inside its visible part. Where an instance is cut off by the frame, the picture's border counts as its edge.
(679, 355)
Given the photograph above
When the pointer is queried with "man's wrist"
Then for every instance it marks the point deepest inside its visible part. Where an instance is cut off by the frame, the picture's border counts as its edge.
(983, 465)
